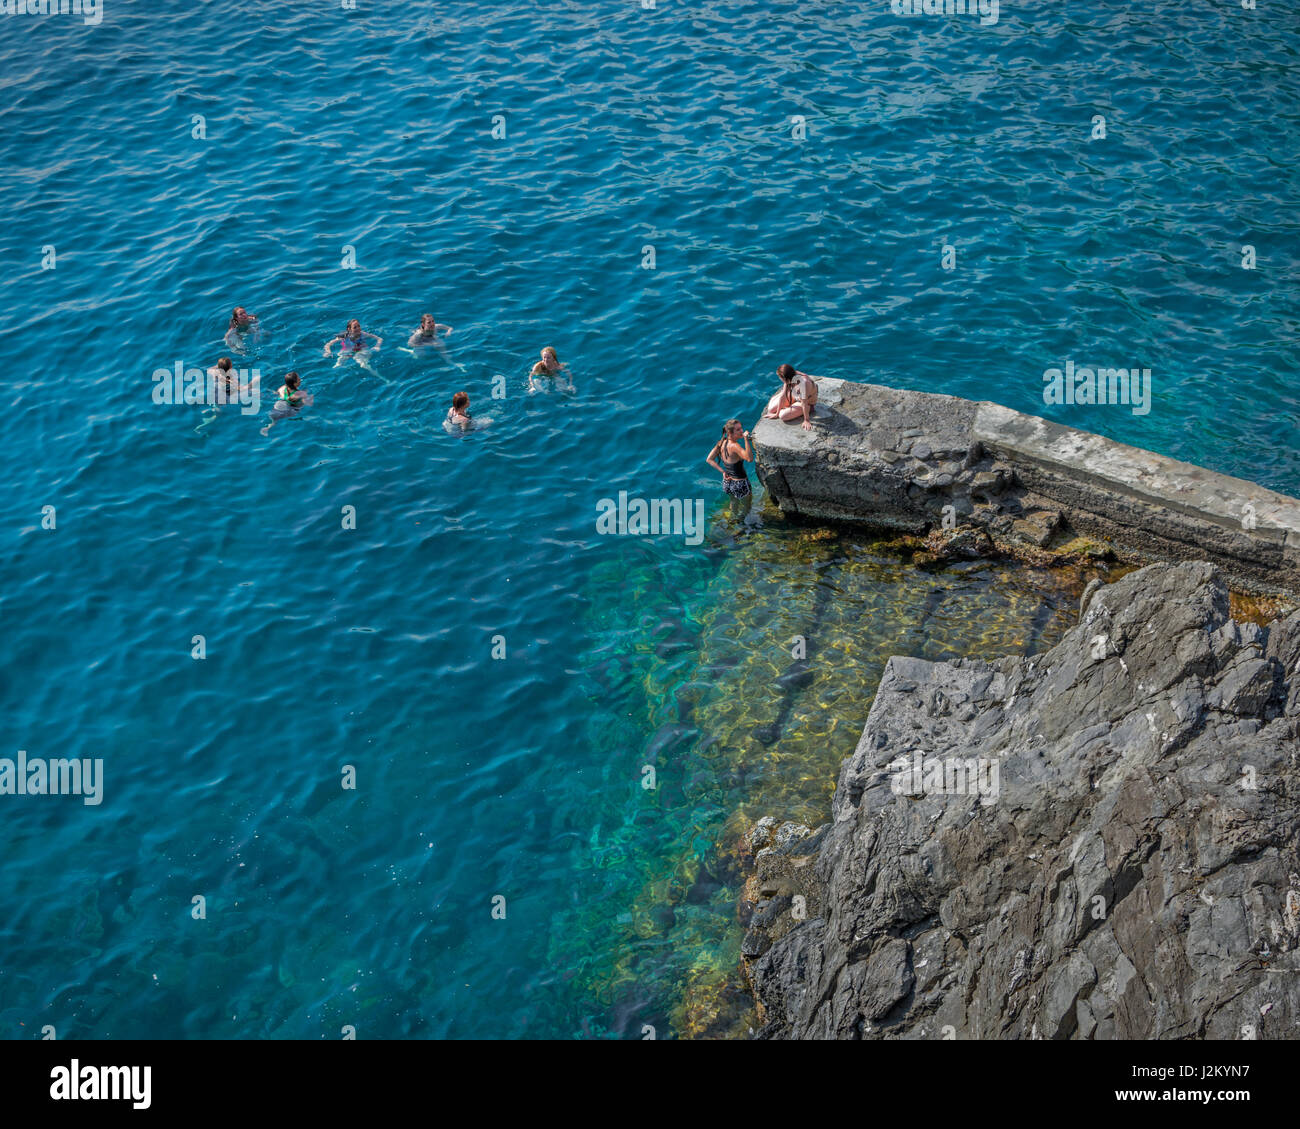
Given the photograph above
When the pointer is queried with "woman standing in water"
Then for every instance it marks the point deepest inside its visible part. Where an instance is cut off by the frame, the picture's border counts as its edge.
(352, 343)
(733, 457)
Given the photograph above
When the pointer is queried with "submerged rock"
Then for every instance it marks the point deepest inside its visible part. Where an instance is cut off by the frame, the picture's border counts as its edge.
(1096, 842)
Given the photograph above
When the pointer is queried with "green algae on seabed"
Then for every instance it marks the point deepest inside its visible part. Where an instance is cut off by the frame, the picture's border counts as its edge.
(743, 673)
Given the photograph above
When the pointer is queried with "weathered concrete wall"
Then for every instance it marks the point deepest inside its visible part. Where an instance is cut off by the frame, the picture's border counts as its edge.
(895, 459)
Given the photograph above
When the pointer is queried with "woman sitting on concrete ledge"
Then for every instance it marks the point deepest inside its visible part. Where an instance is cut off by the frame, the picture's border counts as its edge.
(796, 398)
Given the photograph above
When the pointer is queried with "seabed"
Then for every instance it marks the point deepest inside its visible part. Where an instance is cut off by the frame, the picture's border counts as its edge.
(753, 671)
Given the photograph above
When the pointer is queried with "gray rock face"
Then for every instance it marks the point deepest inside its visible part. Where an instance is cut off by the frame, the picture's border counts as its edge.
(912, 462)
(1096, 842)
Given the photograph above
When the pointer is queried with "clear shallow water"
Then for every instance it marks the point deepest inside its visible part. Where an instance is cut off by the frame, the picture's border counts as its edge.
(372, 646)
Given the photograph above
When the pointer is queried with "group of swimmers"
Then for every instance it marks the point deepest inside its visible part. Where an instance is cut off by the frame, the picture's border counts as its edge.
(795, 401)
(353, 341)
(357, 344)
(550, 367)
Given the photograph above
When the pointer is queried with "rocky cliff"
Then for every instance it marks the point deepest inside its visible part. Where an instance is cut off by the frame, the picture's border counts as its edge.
(1096, 842)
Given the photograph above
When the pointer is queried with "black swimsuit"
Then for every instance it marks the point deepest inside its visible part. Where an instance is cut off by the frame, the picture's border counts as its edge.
(735, 479)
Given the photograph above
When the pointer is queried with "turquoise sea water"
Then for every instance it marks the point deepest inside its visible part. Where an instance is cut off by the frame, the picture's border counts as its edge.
(520, 777)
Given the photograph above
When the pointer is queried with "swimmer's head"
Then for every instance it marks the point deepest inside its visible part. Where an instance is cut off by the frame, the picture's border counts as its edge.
(354, 328)
(730, 428)
(427, 322)
(291, 381)
(239, 317)
(549, 357)
(460, 401)
(786, 373)
(224, 364)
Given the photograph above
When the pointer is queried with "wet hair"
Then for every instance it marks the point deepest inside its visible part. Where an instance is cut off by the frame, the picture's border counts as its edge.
(351, 323)
(291, 381)
(226, 374)
(430, 317)
(551, 349)
(234, 316)
(460, 401)
(786, 373)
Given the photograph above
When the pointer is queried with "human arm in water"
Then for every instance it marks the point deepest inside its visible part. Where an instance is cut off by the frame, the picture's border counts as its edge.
(331, 341)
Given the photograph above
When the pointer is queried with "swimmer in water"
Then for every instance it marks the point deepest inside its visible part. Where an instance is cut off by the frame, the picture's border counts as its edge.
(223, 388)
(549, 366)
(224, 380)
(458, 414)
(428, 333)
(352, 343)
(290, 398)
(733, 456)
(243, 325)
(227, 385)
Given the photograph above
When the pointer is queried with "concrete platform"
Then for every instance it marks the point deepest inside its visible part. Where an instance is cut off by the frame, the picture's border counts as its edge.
(896, 460)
